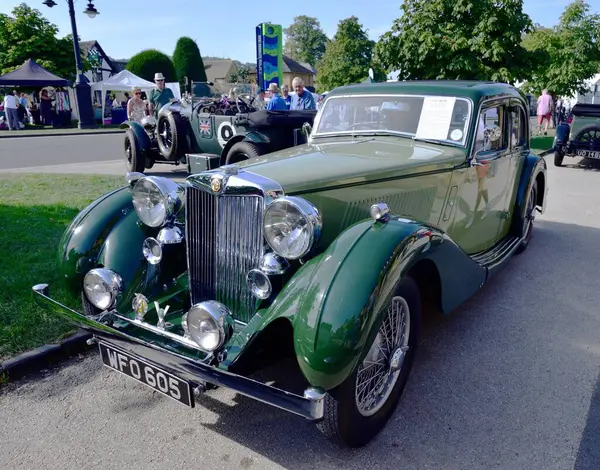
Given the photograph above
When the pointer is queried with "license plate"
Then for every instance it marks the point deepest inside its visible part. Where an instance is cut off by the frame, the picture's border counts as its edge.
(150, 375)
(588, 154)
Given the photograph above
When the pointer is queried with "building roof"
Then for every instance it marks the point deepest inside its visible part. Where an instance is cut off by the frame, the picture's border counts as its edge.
(217, 68)
(306, 65)
(86, 46)
(291, 66)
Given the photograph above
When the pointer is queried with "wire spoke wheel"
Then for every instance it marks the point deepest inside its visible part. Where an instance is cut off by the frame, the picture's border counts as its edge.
(379, 371)
(165, 133)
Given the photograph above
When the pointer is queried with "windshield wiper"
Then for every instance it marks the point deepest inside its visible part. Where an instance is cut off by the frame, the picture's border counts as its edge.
(429, 141)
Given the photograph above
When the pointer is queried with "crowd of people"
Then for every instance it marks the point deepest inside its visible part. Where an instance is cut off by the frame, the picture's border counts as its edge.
(42, 108)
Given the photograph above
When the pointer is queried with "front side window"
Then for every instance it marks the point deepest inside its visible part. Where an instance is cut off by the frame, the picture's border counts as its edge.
(517, 132)
(489, 136)
(440, 118)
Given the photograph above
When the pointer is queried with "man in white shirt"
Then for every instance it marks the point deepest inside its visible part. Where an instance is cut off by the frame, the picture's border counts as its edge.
(10, 108)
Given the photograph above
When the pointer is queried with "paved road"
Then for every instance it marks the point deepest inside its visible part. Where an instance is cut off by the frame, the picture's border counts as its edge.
(509, 381)
(98, 154)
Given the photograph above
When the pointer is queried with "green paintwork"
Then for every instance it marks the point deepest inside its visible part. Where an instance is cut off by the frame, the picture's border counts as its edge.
(334, 300)
(579, 122)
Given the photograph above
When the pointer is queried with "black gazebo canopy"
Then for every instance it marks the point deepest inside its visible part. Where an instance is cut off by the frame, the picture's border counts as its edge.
(32, 74)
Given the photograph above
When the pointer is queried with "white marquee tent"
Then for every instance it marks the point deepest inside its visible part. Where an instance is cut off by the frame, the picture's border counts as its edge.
(124, 81)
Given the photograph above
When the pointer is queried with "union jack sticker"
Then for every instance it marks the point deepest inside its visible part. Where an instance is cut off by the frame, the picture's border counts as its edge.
(205, 127)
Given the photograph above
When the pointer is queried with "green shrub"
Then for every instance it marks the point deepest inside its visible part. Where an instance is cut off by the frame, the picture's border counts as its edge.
(188, 61)
(146, 63)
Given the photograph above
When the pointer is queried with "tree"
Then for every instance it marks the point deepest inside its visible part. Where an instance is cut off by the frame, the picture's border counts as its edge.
(348, 56)
(233, 77)
(566, 55)
(150, 61)
(188, 61)
(243, 74)
(27, 34)
(305, 40)
(458, 39)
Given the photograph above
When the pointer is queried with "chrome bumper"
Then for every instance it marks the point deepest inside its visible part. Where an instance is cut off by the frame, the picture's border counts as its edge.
(197, 373)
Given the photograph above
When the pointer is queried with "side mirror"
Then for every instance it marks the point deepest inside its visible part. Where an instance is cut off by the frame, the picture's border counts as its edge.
(306, 129)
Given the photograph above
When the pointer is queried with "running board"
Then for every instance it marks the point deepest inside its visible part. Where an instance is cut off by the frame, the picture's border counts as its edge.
(498, 253)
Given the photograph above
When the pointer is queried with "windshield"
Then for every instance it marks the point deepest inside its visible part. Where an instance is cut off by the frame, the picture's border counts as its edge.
(441, 118)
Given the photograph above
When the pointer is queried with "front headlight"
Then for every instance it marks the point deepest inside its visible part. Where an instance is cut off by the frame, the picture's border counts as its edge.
(101, 287)
(209, 324)
(156, 200)
(292, 226)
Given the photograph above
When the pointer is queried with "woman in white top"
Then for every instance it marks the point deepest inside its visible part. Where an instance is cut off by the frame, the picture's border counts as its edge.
(136, 107)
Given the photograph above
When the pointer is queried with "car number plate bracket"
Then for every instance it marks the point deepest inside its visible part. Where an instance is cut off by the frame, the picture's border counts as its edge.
(146, 373)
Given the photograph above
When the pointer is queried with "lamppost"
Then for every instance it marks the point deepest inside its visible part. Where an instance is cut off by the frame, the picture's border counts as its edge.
(83, 92)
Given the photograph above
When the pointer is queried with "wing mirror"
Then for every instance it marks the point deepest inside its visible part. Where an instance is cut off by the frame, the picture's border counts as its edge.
(306, 129)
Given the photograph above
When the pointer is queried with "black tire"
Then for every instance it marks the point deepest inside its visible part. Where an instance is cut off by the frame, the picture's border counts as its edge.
(343, 422)
(170, 136)
(243, 151)
(527, 229)
(558, 158)
(584, 130)
(134, 159)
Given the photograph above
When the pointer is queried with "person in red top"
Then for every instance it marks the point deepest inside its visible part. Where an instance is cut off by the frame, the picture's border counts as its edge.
(544, 110)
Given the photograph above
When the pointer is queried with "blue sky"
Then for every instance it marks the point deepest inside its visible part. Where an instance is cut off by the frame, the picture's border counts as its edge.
(225, 29)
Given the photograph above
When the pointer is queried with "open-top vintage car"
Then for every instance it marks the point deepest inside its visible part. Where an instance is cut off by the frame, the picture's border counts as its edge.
(325, 253)
(580, 137)
(188, 127)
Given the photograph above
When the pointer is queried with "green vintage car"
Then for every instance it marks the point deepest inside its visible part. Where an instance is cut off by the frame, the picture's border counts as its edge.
(188, 130)
(580, 135)
(406, 194)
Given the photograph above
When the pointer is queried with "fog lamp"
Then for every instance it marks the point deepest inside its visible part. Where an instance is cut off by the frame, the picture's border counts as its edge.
(209, 324)
(101, 287)
(259, 284)
(152, 250)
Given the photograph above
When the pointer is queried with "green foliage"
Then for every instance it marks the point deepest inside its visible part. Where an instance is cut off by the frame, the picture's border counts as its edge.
(458, 39)
(348, 56)
(233, 77)
(566, 55)
(150, 61)
(243, 74)
(305, 40)
(28, 35)
(188, 61)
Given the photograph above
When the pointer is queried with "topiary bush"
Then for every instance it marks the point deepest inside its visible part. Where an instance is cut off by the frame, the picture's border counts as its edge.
(188, 61)
(146, 63)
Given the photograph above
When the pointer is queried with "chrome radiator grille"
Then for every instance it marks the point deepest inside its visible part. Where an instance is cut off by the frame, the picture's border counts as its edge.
(224, 241)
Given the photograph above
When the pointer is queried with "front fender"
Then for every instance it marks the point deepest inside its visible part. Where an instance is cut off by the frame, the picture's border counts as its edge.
(108, 233)
(140, 134)
(340, 306)
(535, 169)
(257, 138)
(562, 136)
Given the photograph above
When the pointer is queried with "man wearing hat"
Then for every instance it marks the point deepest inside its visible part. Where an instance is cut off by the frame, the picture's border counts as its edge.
(160, 95)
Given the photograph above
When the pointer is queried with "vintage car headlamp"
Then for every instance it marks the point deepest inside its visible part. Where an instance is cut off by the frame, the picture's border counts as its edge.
(101, 287)
(156, 200)
(292, 226)
(209, 324)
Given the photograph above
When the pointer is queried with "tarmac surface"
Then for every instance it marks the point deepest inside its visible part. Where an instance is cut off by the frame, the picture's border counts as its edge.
(510, 381)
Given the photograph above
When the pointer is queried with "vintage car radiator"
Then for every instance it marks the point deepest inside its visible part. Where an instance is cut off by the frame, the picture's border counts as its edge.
(224, 241)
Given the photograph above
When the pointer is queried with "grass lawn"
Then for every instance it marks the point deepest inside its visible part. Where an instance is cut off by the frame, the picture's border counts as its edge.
(35, 209)
(541, 142)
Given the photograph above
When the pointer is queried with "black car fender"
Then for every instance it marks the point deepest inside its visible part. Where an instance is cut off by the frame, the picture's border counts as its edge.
(562, 135)
(140, 134)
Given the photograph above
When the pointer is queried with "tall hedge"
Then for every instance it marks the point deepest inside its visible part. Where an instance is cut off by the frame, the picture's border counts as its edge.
(188, 61)
(146, 63)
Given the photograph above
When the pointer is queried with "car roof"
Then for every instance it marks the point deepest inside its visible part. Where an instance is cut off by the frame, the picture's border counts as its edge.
(473, 89)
